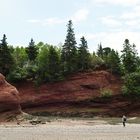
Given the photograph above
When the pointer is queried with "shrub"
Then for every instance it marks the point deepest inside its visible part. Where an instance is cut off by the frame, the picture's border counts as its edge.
(17, 75)
(106, 93)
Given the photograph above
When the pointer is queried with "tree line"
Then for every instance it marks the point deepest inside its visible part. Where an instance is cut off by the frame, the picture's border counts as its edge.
(47, 63)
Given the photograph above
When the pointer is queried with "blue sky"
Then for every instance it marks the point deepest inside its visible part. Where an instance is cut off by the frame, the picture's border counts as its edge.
(107, 21)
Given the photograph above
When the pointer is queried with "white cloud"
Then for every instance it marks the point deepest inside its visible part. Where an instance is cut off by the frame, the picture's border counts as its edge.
(91, 36)
(49, 21)
(128, 20)
(116, 39)
(117, 2)
(134, 24)
(53, 21)
(134, 13)
(88, 36)
(110, 21)
(80, 15)
(34, 21)
(131, 18)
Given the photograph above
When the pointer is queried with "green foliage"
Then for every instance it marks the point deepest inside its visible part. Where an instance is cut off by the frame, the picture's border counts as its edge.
(47, 63)
(31, 69)
(110, 58)
(106, 51)
(129, 57)
(95, 61)
(6, 59)
(20, 56)
(42, 63)
(17, 75)
(131, 84)
(53, 64)
(69, 51)
(100, 51)
(83, 55)
(113, 62)
(32, 51)
(106, 93)
(49, 66)
(19, 71)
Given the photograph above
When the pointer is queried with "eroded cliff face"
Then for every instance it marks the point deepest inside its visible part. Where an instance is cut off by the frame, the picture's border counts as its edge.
(78, 95)
(9, 99)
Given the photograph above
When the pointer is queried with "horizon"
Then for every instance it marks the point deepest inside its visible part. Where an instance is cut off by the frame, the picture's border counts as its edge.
(106, 21)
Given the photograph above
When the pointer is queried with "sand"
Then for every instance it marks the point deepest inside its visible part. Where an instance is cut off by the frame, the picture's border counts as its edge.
(70, 130)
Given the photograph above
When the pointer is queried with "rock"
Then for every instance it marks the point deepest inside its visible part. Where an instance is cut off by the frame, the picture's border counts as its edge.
(9, 98)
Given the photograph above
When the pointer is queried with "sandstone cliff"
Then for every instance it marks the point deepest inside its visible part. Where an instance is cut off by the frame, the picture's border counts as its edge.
(9, 100)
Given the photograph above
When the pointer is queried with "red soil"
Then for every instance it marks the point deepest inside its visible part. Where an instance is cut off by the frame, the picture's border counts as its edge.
(78, 95)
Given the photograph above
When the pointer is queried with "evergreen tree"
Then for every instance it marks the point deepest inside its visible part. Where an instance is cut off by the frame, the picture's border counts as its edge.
(6, 59)
(129, 57)
(31, 67)
(100, 51)
(103, 53)
(69, 51)
(53, 64)
(83, 55)
(32, 51)
(114, 62)
(106, 51)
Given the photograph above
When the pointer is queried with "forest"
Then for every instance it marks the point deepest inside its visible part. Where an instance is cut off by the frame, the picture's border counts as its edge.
(44, 63)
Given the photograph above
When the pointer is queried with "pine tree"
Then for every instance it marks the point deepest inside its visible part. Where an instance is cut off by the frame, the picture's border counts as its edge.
(69, 51)
(100, 51)
(106, 52)
(129, 57)
(32, 51)
(6, 59)
(53, 64)
(114, 62)
(83, 55)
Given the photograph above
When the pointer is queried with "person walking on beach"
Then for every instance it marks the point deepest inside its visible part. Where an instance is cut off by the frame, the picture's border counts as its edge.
(124, 120)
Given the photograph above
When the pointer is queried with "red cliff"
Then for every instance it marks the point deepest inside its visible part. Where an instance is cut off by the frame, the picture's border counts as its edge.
(9, 99)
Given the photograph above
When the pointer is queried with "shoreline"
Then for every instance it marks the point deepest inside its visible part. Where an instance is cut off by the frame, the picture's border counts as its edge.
(66, 130)
(73, 121)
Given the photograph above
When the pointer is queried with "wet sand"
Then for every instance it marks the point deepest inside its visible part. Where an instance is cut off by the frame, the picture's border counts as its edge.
(70, 130)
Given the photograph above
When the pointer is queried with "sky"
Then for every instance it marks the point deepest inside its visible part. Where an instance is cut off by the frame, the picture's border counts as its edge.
(109, 22)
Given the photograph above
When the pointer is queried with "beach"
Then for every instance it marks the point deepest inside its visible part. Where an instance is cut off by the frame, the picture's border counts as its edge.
(70, 130)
